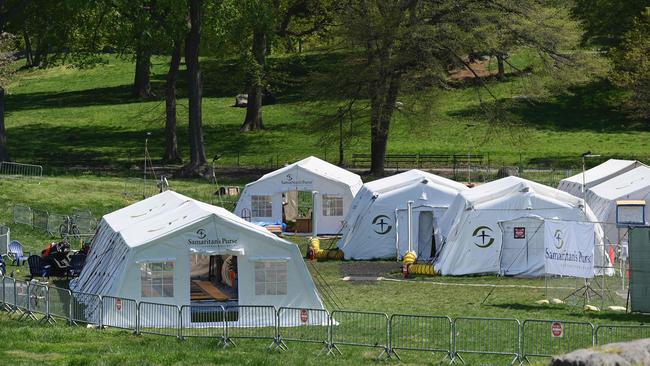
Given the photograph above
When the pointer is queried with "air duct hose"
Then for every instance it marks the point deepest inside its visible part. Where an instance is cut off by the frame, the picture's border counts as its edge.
(422, 269)
(318, 253)
(413, 268)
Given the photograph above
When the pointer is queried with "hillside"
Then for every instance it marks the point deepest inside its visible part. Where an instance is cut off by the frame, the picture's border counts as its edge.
(63, 116)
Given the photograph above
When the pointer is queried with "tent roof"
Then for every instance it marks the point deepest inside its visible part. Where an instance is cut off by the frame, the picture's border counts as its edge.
(502, 187)
(604, 171)
(142, 210)
(169, 212)
(624, 184)
(322, 168)
(410, 177)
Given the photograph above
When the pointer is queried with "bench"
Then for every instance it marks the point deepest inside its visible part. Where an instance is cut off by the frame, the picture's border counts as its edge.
(420, 160)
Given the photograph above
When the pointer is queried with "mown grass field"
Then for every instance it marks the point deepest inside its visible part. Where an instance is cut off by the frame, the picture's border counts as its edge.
(64, 116)
(28, 343)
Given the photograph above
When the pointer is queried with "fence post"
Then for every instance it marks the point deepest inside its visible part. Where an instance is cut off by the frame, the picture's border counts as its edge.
(100, 323)
(180, 322)
(137, 318)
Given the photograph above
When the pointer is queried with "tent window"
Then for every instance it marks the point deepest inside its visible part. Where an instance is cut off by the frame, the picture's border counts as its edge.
(332, 205)
(157, 279)
(261, 206)
(270, 278)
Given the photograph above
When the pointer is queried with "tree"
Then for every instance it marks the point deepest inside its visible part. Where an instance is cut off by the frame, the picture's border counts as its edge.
(607, 21)
(404, 44)
(172, 154)
(6, 70)
(632, 66)
(195, 87)
(267, 21)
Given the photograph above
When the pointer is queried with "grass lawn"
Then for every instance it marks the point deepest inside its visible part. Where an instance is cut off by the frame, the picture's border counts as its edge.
(28, 343)
(62, 116)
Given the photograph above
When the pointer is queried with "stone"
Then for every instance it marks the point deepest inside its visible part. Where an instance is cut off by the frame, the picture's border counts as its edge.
(613, 354)
(241, 100)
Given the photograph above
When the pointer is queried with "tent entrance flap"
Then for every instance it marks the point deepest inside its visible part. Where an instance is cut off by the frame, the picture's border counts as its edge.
(297, 208)
(422, 232)
(426, 243)
(522, 248)
(213, 278)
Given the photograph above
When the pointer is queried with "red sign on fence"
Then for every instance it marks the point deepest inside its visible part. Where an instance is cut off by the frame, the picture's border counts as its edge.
(304, 315)
(118, 304)
(557, 330)
(520, 233)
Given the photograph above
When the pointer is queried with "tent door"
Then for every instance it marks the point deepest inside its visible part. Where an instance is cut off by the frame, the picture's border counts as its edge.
(213, 278)
(522, 246)
(426, 247)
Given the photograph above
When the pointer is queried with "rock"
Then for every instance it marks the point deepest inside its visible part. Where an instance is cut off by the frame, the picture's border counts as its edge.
(241, 100)
(542, 302)
(557, 301)
(613, 354)
(506, 171)
(617, 308)
(591, 308)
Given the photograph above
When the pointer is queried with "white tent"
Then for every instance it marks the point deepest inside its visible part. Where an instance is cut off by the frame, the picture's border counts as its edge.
(263, 199)
(633, 185)
(498, 227)
(151, 250)
(376, 226)
(596, 175)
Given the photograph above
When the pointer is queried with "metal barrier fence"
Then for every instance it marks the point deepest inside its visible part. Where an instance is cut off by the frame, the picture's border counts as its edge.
(495, 336)
(621, 333)
(18, 170)
(23, 215)
(59, 303)
(421, 333)
(80, 224)
(303, 325)
(5, 239)
(250, 321)
(551, 337)
(161, 319)
(359, 328)
(119, 313)
(40, 219)
(203, 321)
(86, 308)
(454, 338)
(38, 303)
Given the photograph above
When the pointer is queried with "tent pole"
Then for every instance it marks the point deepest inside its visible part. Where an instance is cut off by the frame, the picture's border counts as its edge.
(315, 208)
(409, 205)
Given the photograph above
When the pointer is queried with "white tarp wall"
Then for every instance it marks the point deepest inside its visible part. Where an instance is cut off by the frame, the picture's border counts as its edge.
(336, 187)
(633, 185)
(596, 175)
(568, 250)
(474, 242)
(376, 226)
(118, 258)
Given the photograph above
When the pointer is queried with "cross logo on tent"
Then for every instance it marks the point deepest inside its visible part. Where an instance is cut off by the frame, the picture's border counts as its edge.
(289, 177)
(559, 239)
(201, 233)
(483, 234)
(383, 224)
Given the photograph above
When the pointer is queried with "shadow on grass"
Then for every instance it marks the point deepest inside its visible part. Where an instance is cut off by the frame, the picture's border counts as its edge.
(590, 107)
(289, 80)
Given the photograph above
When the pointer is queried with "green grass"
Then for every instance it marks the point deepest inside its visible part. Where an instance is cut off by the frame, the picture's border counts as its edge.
(29, 343)
(61, 117)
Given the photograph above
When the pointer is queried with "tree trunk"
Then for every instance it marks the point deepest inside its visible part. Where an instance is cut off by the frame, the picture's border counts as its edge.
(4, 154)
(142, 82)
(382, 104)
(197, 149)
(253, 119)
(172, 155)
(40, 56)
(29, 57)
(502, 71)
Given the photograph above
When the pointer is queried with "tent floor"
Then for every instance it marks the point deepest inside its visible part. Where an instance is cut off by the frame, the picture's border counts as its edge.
(206, 290)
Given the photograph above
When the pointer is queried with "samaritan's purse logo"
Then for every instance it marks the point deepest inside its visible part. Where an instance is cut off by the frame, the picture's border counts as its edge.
(483, 237)
(559, 239)
(201, 238)
(201, 233)
(382, 224)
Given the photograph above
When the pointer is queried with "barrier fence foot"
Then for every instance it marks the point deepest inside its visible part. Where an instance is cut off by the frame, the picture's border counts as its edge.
(384, 355)
(47, 319)
(227, 342)
(329, 350)
(454, 357)
(392, 352)
(278, 344)
(514, 360)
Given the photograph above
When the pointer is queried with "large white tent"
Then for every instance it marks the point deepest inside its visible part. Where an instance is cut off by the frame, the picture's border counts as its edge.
(263, 199)
(151, 251)
(498, 227)
(376, 226)
(633, 185)
(596, 175)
